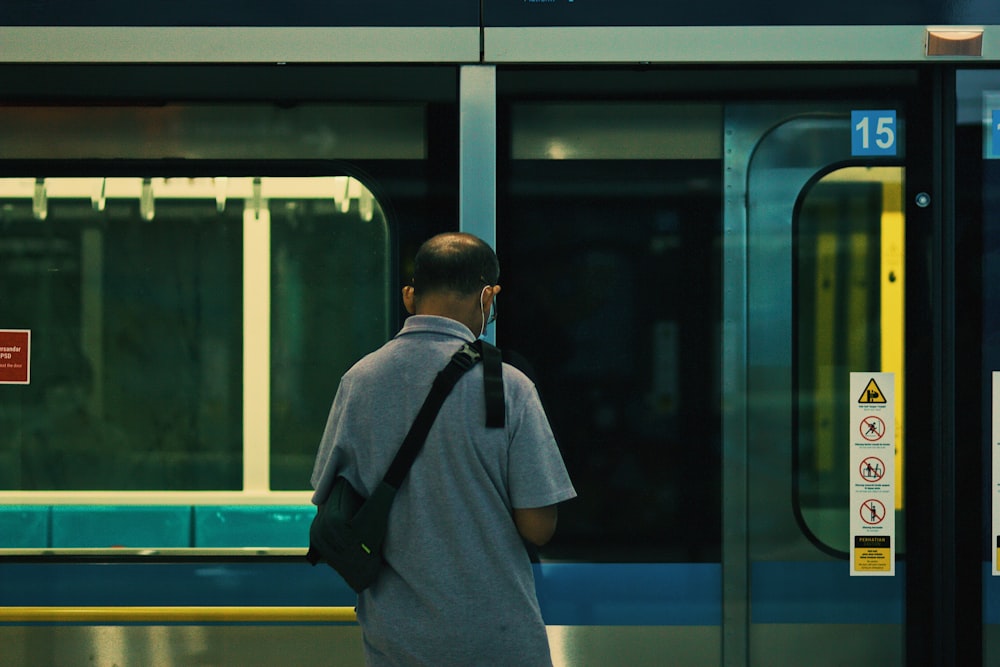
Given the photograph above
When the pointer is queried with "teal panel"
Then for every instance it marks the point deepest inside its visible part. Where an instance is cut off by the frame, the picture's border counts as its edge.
(83, 526)
(24, 527)
(253, 526)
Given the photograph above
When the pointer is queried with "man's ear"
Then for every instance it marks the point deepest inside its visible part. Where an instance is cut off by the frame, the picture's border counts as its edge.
(490, 295)
(409, 299)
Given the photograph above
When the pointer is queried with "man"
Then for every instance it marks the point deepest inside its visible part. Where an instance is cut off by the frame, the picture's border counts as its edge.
(457, 587)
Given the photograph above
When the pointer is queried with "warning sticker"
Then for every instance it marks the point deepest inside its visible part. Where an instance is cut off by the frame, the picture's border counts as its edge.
(873, 553)
(15, 356)
(872, 469)
(872, 428)
(872, 489)
(872, 512)
(872, 393)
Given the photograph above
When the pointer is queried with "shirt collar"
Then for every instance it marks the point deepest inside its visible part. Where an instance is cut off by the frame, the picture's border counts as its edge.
(434, 324)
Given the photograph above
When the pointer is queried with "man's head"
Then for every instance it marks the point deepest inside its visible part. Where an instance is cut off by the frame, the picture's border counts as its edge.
(454, 262)
(454, 275)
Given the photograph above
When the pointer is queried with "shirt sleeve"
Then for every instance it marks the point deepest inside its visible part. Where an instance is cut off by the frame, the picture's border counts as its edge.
(331, 459)
(537, 473)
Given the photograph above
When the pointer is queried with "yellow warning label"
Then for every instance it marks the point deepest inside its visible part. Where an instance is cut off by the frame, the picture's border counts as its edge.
(872, 560)
(872, 393)
(872, 554)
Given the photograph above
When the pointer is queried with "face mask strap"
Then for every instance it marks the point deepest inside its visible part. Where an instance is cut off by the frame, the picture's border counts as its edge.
(482, 309)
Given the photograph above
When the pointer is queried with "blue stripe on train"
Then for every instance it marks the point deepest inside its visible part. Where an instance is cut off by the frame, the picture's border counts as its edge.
(570, 593)
(630, 593)
(251, 582)
(824, 592)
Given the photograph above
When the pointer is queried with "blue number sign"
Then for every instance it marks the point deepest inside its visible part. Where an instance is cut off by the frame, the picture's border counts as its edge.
(873, 132)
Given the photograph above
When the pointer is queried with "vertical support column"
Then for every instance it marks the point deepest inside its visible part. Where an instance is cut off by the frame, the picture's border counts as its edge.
(477, 176)
(478, 151)
(947, 607)
(477, 165)
(256, 347)
(735, 537)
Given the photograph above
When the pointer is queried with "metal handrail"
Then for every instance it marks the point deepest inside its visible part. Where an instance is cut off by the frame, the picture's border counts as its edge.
(179, 614)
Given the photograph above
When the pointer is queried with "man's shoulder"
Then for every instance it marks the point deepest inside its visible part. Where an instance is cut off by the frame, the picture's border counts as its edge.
(368, 368)
(395, 357)
(516, 365)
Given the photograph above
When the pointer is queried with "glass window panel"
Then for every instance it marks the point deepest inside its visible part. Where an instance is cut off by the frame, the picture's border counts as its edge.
(849, 316)
(330, 305)
(612, 293)
(134, 328)
(134, 293)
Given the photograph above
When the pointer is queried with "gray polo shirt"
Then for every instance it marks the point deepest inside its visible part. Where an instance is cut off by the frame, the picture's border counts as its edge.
(458, 587)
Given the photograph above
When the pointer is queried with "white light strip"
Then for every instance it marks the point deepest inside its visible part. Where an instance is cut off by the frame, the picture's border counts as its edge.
(256, 348)
(217, 189)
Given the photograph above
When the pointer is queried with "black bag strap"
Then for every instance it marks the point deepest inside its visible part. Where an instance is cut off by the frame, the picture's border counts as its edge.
(468, 356)
(372, 518)
(493, 385)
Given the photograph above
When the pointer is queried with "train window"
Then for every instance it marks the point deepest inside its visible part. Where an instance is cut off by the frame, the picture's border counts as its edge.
(198, 259)
(610, 225)
(331, 304)
(849, 316)
(187, 334)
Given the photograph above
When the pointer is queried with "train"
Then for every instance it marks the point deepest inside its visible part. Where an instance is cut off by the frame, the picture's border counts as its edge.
(713, 222)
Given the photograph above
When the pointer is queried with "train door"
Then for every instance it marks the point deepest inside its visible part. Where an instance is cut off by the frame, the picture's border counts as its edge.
(694, 281)
(816, 346)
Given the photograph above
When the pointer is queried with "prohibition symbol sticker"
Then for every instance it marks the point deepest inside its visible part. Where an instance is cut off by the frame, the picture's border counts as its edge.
(872, 512)
(872, 428)
(872, 469)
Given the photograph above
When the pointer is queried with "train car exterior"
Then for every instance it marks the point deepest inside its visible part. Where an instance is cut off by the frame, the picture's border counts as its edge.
(747, 252)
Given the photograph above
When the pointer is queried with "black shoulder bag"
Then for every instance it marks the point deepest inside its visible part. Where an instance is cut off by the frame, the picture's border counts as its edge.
(348, 530)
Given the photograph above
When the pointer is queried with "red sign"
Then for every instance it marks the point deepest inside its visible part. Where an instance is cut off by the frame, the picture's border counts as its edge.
(15, 356)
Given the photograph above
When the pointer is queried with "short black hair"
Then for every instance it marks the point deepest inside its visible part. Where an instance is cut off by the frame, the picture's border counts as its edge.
(454, 262)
